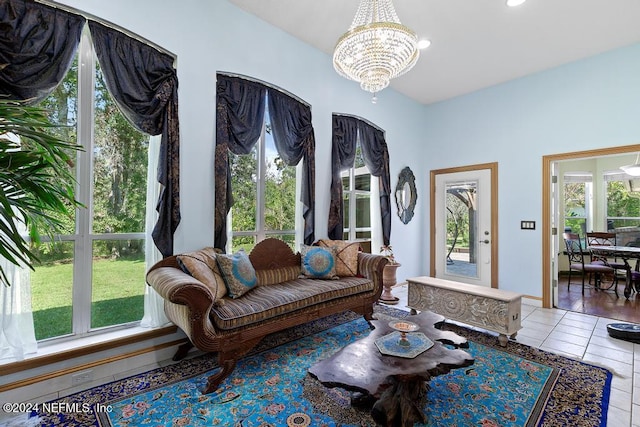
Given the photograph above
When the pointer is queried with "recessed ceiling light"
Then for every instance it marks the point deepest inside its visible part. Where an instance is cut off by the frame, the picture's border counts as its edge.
(514, 3)
(424, 43)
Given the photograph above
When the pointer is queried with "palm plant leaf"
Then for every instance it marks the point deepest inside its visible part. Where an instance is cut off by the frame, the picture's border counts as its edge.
(36, 181)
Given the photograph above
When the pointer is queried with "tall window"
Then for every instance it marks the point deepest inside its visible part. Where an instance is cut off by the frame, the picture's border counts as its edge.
(578, 202)
(92, 276)
(356, 190)
(264, 193)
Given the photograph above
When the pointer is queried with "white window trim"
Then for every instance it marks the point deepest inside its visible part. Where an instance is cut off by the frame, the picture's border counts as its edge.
(351, 231)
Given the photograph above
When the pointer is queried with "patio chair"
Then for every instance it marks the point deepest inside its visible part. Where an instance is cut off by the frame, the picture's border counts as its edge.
(600, 238)
(599, 269)
(604, 238)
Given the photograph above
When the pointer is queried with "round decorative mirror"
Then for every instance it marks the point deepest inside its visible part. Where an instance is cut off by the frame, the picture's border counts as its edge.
(406, 195)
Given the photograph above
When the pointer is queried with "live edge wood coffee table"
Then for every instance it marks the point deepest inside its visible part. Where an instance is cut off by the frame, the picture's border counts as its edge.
(393, 384)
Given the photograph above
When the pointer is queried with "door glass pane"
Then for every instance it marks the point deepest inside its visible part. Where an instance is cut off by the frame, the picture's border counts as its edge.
(118, 282)
(461, 237)
(51, 290)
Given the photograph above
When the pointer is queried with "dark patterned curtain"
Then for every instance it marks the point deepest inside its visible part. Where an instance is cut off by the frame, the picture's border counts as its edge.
(294, 139)
(343, 153)
(376, 157)
(240, 107)
(144, 84)
(240, 110)
(37, 46)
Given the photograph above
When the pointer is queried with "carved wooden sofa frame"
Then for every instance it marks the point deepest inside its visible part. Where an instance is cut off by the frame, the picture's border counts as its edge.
(188, 303)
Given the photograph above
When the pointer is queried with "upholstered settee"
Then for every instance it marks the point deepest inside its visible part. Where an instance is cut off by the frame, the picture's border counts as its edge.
(229, 321)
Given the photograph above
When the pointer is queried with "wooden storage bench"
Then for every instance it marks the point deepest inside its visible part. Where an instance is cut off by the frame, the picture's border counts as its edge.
(493, 309)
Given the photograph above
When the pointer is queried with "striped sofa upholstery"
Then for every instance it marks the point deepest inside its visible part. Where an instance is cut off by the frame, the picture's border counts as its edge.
(231, 327)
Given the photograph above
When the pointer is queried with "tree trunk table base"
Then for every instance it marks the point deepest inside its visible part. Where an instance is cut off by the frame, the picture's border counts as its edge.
(399, 404)
(393, 386)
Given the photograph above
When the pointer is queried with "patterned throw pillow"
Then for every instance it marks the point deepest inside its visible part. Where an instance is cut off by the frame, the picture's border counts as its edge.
(238, 273)
(346, 256)
(202, 266)
(318, 262)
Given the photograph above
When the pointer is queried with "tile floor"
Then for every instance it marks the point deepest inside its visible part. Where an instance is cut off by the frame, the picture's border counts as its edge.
(584, 337)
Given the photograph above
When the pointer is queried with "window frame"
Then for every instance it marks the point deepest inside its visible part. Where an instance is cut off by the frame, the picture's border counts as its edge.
(261, 233)
(352, 231)
(587, 181)
(630, 187)
(83, 237)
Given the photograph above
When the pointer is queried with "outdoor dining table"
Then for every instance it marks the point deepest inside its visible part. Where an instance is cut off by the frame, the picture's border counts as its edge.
(625, 253)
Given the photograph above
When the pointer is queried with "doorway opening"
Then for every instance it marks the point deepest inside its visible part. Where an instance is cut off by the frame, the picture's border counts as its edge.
(589, 213)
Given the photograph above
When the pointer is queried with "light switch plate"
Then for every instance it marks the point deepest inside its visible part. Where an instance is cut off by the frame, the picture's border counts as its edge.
(527, 225)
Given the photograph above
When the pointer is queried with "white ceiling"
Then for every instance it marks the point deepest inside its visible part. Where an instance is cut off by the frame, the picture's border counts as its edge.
(475, 43)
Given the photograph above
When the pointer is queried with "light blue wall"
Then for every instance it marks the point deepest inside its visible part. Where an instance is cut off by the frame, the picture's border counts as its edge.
(593, 103)
(213, 35)
(588, 104)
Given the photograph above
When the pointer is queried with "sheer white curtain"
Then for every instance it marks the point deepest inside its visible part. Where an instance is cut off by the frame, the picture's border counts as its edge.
(153, 303)
(17, 335)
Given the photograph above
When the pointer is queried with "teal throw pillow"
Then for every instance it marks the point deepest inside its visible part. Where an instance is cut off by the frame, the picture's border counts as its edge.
(238, 273)
(318, 262)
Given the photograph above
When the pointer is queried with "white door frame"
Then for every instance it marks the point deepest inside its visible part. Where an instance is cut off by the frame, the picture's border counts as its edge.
(493, 170)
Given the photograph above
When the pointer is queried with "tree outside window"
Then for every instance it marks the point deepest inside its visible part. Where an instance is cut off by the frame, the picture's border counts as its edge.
(623, 204)
(577, 197)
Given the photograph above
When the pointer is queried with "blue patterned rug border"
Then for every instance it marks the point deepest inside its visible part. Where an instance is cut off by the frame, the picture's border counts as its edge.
(565, 404)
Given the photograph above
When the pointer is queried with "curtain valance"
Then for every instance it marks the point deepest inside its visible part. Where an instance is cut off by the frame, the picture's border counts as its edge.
(144, 85)
(37, 46)
(240, 109)
(347, 130)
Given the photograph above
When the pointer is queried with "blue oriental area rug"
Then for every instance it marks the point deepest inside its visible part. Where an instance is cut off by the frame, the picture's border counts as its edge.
(513, 386)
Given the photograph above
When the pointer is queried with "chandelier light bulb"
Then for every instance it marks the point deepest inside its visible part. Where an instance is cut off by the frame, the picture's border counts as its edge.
(376, 48)
(424, 43)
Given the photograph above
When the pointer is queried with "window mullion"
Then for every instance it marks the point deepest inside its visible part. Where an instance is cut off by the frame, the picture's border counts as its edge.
(352, 203)
(261, 188)
(83, 243)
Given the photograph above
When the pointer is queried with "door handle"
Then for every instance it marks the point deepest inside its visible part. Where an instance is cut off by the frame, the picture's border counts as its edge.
(485, 241)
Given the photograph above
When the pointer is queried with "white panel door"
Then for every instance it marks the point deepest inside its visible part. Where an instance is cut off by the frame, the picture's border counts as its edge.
(463, 226)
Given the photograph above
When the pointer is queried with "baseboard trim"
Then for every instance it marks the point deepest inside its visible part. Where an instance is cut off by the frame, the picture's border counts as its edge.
(38, 361)
(50, 375)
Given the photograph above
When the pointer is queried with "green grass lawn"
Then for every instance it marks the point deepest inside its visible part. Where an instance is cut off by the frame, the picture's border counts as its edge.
(117, 296)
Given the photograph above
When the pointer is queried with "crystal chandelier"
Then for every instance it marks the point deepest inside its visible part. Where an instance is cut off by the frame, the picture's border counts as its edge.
(376, 48)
